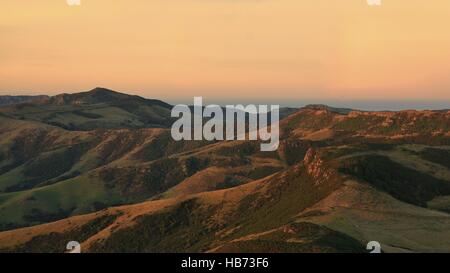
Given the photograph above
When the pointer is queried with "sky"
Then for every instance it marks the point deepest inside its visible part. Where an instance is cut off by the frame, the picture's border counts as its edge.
(290, 50)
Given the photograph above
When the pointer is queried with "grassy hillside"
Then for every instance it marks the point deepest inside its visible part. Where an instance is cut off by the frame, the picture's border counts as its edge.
(92, 166)
(311, 206)
(98, 108)
(48, 173)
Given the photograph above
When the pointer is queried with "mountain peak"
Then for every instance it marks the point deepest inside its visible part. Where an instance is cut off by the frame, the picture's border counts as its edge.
(103, 90)
(96, 95)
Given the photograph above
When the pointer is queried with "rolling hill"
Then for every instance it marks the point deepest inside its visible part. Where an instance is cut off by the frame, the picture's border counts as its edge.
(94, 109)
(340, 178)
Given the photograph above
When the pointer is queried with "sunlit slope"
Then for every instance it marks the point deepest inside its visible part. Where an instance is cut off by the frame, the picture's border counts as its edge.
(338, 177)
(48, 173)
(191, 223)
(315, 205)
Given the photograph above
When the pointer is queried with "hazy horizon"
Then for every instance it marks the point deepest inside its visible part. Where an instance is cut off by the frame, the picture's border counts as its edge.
(367, 105)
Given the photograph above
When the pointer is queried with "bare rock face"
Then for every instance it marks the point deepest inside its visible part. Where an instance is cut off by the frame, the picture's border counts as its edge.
(317, 168)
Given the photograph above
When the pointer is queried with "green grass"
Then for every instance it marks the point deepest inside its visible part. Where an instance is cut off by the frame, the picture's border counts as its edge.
(188, 227)
(438, 156)
(301, 238)
(71, 197)
(441, 203)
(403, 183)
(290, 193)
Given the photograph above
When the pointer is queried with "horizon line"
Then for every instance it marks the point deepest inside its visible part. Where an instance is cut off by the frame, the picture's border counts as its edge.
(364, 104)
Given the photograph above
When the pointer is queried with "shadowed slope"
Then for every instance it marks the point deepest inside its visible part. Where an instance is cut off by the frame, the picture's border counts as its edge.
(98, 108)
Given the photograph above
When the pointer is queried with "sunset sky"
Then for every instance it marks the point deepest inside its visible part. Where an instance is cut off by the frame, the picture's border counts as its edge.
(289, 49)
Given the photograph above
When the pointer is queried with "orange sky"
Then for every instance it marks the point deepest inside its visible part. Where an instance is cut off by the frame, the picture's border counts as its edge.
(327, 49)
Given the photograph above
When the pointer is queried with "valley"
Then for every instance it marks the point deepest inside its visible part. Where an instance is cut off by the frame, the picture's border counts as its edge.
(100, 167)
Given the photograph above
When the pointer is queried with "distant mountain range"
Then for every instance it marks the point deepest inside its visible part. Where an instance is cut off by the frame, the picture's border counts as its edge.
(100, 167)
(8, 100)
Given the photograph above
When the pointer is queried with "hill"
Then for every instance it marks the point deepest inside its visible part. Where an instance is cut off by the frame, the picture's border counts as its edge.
(311, 206)
(340, 178)
(94, 109)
